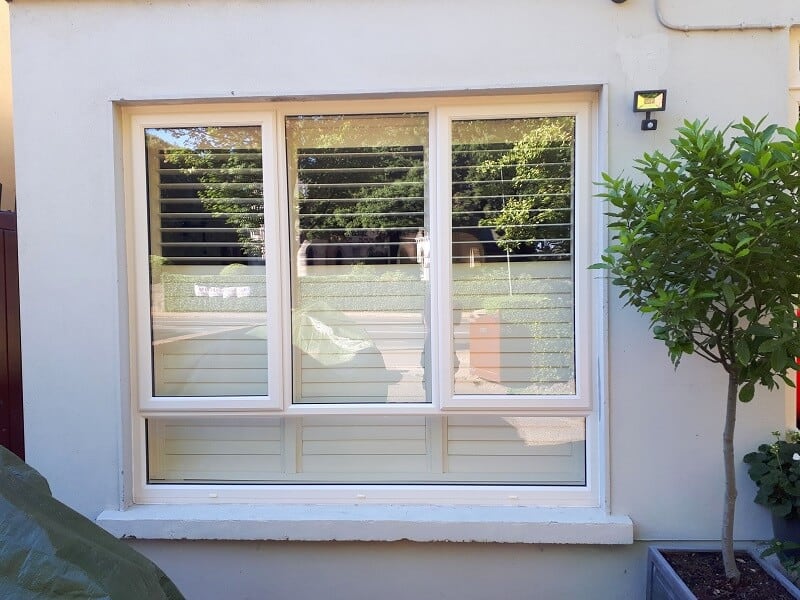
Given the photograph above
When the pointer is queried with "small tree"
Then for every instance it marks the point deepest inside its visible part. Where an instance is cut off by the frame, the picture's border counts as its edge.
(709, 247)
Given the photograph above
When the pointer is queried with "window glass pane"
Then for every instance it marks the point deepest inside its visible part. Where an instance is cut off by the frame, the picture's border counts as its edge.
(392, 449)
(207, 273)
(358, 189)
(512, 232)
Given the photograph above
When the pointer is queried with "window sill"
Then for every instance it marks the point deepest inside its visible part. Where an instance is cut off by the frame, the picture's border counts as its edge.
(369, 523)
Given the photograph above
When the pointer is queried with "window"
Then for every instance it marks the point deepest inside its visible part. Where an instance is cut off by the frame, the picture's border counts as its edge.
(381, 298)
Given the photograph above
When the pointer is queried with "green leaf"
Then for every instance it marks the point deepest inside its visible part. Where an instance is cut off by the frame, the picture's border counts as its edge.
(768, 346)
(760, 330)
(778, 360)
(701, 295)
(746, 392)
(742, 352)
(721, 185)
(729, 295)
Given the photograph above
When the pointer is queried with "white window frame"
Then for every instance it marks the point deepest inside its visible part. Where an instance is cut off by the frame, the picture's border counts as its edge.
(589, 313)
(138, 210)
(793, 110)
(581, 259)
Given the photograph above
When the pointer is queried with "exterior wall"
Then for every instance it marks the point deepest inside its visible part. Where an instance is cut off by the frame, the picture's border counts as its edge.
(340, 571)
(665, 426)
(6, 135)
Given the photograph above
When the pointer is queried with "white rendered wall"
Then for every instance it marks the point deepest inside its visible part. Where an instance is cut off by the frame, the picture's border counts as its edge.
(72, 60)
(403, 570)
(6, 134)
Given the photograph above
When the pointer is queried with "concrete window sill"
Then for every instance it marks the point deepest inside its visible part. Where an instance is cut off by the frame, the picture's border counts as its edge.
(369, 523)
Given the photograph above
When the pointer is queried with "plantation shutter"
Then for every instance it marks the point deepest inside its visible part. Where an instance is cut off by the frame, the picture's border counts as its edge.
(476, 449)
(512, 274)
(208, 281)
(359, 286)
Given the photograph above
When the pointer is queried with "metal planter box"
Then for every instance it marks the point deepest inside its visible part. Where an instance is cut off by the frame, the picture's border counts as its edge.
(663, 582)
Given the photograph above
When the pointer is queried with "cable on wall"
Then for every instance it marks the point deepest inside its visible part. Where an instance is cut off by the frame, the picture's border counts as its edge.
(740, 27)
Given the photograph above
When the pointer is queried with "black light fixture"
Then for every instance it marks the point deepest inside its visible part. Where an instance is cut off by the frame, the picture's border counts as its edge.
(648, 101)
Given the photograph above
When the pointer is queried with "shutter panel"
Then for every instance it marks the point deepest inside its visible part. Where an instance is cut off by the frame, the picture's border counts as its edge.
(365, 448)
(512, 276)
(212, 449)
(207, 261)
(534, 450)
(391, 449)
(359, 292)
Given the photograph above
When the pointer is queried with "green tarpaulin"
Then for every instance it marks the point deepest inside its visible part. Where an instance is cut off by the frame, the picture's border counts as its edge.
(49, 551)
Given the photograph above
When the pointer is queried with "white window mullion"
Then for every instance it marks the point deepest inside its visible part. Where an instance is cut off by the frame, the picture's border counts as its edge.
(141, 301)
(292, 435)
(584, 314)
(441, 326)
(280, 261)
(437, 428)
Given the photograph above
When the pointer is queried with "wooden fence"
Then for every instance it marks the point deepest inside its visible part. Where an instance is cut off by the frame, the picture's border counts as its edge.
(11, 429)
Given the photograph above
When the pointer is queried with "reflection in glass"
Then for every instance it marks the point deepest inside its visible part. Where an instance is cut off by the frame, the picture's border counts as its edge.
(360, 228)
(207, 273)
(512, 231)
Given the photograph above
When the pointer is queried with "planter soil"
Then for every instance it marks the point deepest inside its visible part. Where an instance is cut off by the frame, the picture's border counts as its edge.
(704, 575)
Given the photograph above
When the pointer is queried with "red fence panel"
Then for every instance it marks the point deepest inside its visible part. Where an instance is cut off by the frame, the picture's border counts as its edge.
(11, 429)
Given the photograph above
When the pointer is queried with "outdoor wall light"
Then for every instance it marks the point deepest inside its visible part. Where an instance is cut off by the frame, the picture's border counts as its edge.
(648, 101)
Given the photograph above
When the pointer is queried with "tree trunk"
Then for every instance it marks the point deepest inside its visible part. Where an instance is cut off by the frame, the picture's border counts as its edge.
(728, 559)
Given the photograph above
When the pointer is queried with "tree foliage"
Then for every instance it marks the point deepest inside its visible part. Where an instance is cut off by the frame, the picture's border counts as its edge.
(708, 248)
